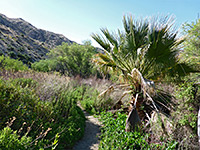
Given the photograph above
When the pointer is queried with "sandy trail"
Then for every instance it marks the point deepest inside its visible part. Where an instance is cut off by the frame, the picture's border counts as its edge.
(90, 140)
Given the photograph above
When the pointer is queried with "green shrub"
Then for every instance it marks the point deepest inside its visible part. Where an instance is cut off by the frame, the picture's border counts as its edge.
(71, 60)
(9, 140)
(90, 100)
(44, 65)
(113, 136)
(69, 118)
(18, 102)
(12, 64)
(23, 82)
(185, 116)
(58, 116)
(187, 104)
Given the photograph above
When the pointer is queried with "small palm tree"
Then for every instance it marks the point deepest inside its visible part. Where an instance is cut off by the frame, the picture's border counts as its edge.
(146, 51)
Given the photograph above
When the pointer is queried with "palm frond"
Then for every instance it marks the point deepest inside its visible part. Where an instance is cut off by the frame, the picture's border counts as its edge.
(110, 37)
(102, 42)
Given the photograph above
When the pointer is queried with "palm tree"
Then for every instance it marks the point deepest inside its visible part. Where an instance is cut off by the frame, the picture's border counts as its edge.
(146, 51)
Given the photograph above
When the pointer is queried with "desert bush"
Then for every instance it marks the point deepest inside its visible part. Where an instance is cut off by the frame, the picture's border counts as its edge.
(191, 52)
(10, 140)
(23, 82)
(11, 64)
(24, 105)
(91, 89)
(185, 116)
(57, 115)
(71, 60)
(16, 101)
(88, 98)
(49, 84)
(91, 101)
(68, 118)
(44, 65)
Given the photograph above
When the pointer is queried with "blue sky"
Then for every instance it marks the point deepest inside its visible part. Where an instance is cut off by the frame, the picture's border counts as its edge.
(77, 19)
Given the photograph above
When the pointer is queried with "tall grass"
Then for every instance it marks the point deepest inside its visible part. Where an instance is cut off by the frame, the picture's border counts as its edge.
(44, 103)
(91, 89)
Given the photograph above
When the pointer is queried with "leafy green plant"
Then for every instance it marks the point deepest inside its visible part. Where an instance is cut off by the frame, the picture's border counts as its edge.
(71, 60)
(57, 115)
(90, 100)
(191, 53)
(23, 82)
(44, 65)
(11, 64)
(113, 135)
(23, 106)
(185, 116)
(69, 117)
(16, 101)
(10, 140)
(187, 104)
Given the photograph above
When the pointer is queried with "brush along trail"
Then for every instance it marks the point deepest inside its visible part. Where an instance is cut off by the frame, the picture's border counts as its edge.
(90, 140)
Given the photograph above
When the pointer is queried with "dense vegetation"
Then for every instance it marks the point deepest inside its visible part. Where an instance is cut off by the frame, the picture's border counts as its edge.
(114, 136)
(40, 110)
(191, 51)
(153, 76)
(11, 64)
(71, 60)
(145, 52)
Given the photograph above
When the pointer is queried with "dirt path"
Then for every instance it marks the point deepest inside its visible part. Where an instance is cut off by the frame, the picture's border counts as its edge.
(90, 140)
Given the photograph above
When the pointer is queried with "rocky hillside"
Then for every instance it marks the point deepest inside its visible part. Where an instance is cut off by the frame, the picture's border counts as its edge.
(19, 39)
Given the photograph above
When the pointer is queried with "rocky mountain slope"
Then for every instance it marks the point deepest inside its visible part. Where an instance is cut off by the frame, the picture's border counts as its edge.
(21, 40)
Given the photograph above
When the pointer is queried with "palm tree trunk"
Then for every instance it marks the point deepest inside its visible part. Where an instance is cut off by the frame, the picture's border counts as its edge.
(133, 118)
(132, 121)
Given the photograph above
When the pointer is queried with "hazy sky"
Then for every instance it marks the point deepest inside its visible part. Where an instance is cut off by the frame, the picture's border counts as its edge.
(77, 19)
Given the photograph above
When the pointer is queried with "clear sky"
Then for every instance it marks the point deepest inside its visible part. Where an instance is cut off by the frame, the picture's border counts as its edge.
(77, 19)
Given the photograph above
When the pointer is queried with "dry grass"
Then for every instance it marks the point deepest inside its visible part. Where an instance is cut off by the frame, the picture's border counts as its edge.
(183, 133)
(38, 76)
(49, 84)
(58, 114)
(102, 85)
